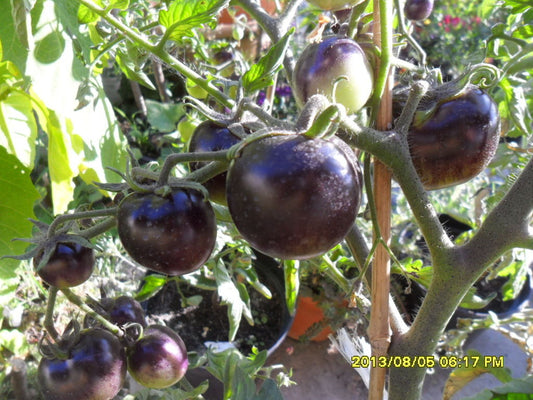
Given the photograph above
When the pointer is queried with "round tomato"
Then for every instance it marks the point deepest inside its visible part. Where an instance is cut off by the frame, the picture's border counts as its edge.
(95, 369)
(125, 309)
(294, 197)
(173, 235)
(159, 358)
(70, 265)
(456, 140)
(417, 10)
(338, 68)
(212, 136)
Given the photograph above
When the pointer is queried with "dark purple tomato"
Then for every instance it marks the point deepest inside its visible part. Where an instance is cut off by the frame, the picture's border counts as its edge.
(94, 370)
(125, 309)
(294, 197)
(456, 141)
(322, 64)
(418, 10)
(212, 136)
(173, 235)
(159, 358)
(70, 265)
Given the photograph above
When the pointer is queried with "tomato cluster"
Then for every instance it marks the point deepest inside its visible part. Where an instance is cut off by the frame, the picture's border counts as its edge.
(92, 364)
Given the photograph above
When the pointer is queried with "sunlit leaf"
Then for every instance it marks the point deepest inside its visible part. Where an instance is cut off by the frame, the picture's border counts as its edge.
(261, 74)
(16, 206)
(183, 16)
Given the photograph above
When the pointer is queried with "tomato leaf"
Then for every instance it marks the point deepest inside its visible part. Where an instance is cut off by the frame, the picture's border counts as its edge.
(292, 283)
(232, 296)
(474, 365)
(20, 11)
(515, 389)
(183, 16)
(16, 206)
(152, 284)
(164, 116)
(261, 74)
(18, 127)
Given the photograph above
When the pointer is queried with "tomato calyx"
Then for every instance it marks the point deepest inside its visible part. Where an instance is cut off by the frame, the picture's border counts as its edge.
(59, 348)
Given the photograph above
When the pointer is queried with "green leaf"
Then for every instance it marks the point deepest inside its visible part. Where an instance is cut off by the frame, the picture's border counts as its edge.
(292, 283)
(460, 377)
(261, 74)
(16, 206)
(164, 116)
(269, 391)
(515, 389)
(18, 127)
(183, 16)
(132, 69)
(120, 4)
(232, 296)
(14, 341)
(152, 284)
(20, 11)
(86, 15)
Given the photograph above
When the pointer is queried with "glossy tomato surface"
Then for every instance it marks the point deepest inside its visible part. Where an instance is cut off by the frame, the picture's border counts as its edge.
(456, 141)
(212, 136)
(158, 359)
(126, 309)
(418, 10)
(94, 370)
(70, 265)
(294, 197)
(173, 235)
(322, 64)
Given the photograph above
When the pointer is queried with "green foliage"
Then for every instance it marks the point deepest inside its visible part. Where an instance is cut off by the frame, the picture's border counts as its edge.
(184, 15)
(261, 74)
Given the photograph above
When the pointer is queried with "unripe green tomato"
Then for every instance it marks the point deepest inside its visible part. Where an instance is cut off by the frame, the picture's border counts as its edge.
(186, 127)
(338, 68)
(334, 5)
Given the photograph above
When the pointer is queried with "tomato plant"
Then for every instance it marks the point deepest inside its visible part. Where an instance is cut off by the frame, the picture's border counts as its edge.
(336, 67)
(158, 359)
(94, 368)
(290, 105)
(173, 235)
(294, 197)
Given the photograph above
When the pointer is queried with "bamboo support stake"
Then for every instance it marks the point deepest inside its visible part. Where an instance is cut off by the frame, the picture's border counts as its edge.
(379, 329)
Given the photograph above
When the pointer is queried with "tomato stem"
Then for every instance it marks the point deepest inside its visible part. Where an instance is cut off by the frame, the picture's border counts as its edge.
(418, 90)
(173, 159)
(49, 316)
(78, 301)
(61, 219)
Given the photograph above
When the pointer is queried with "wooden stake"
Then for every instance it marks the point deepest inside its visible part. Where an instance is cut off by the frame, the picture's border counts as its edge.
(379, 329)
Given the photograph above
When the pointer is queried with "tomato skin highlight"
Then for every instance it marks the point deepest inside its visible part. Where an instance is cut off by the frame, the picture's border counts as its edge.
(95, 369)
(322, 67)
(173, 235)
(418, 10)
(212, 136)
(456, 141)
(125, 309)
(71, 264)
(293, 197)
(158, 359)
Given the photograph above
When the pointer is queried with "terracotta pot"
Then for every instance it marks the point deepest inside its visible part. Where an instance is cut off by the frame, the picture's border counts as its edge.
(308, 312)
